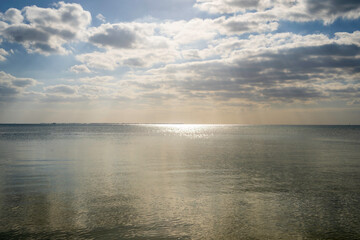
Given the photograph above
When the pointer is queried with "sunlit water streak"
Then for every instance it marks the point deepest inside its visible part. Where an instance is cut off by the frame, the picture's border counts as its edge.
(177, 181)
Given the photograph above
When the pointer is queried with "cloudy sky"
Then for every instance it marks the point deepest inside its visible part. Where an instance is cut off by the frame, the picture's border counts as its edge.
(189, 61)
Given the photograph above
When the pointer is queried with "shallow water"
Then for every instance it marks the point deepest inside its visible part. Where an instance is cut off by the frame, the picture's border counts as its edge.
(106, 181)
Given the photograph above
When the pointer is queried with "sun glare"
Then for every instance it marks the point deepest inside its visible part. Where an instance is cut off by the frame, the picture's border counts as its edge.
(190, 130)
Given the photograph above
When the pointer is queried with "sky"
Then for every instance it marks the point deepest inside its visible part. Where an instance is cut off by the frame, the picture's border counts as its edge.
(180, 61)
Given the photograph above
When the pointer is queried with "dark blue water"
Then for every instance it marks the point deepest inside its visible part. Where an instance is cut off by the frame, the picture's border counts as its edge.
(103, 181)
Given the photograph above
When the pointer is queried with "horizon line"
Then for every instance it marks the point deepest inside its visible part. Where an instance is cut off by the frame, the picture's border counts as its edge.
(129, 123)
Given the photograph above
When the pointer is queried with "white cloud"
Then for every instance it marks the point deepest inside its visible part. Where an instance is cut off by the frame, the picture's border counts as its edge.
(265, 69)
(46, 30)
(116, 36)
(80, 69)
(329, 10)
(97, 79)
(67, 16)
(231, 6)
(208, 59)
(139, 44)
(100, 17)
(61, 89)
(121, 35)
(12, 15)
(11, 86)
(184, 32)
(247, 23)
(189, 32)
(99, 60)
(294, 10)
(88, 88)
(3, 54)
(112, 59)
(348, 38)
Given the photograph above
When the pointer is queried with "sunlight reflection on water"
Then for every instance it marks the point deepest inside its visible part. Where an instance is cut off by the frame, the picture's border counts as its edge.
(177, 181)
(189, 130)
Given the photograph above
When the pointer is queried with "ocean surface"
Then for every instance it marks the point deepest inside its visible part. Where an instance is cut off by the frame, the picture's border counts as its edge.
(118, 181)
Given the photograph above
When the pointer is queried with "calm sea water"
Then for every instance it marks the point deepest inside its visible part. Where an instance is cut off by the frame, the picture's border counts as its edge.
(103, 181)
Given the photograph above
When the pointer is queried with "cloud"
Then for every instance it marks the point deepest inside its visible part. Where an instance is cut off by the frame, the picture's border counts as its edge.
(97, 79)
(233, 58)
(139, 58)
(122, 35)
(80, 69)
(46, 30)
(100, 17)
(294, 10)
(158, 96)
(58, 98)
(11, 86)
(99, 88)
(99, 60)
(132, 44)
(141, 44)
(332, 9)
(248, 23)
(290, 94)
(3, 54)
(267, 69)
(117, 36)
(231, 6)
(354, 102)
(25, 33)
(196, 30)
(260, 69)
(185, 32)
(12, 15)
(61, 89)
(69, 16)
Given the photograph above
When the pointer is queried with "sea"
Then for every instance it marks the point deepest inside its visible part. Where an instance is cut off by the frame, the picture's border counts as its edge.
(179, 181)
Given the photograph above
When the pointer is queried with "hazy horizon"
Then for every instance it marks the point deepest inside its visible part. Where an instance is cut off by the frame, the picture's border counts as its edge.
(174, 124)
